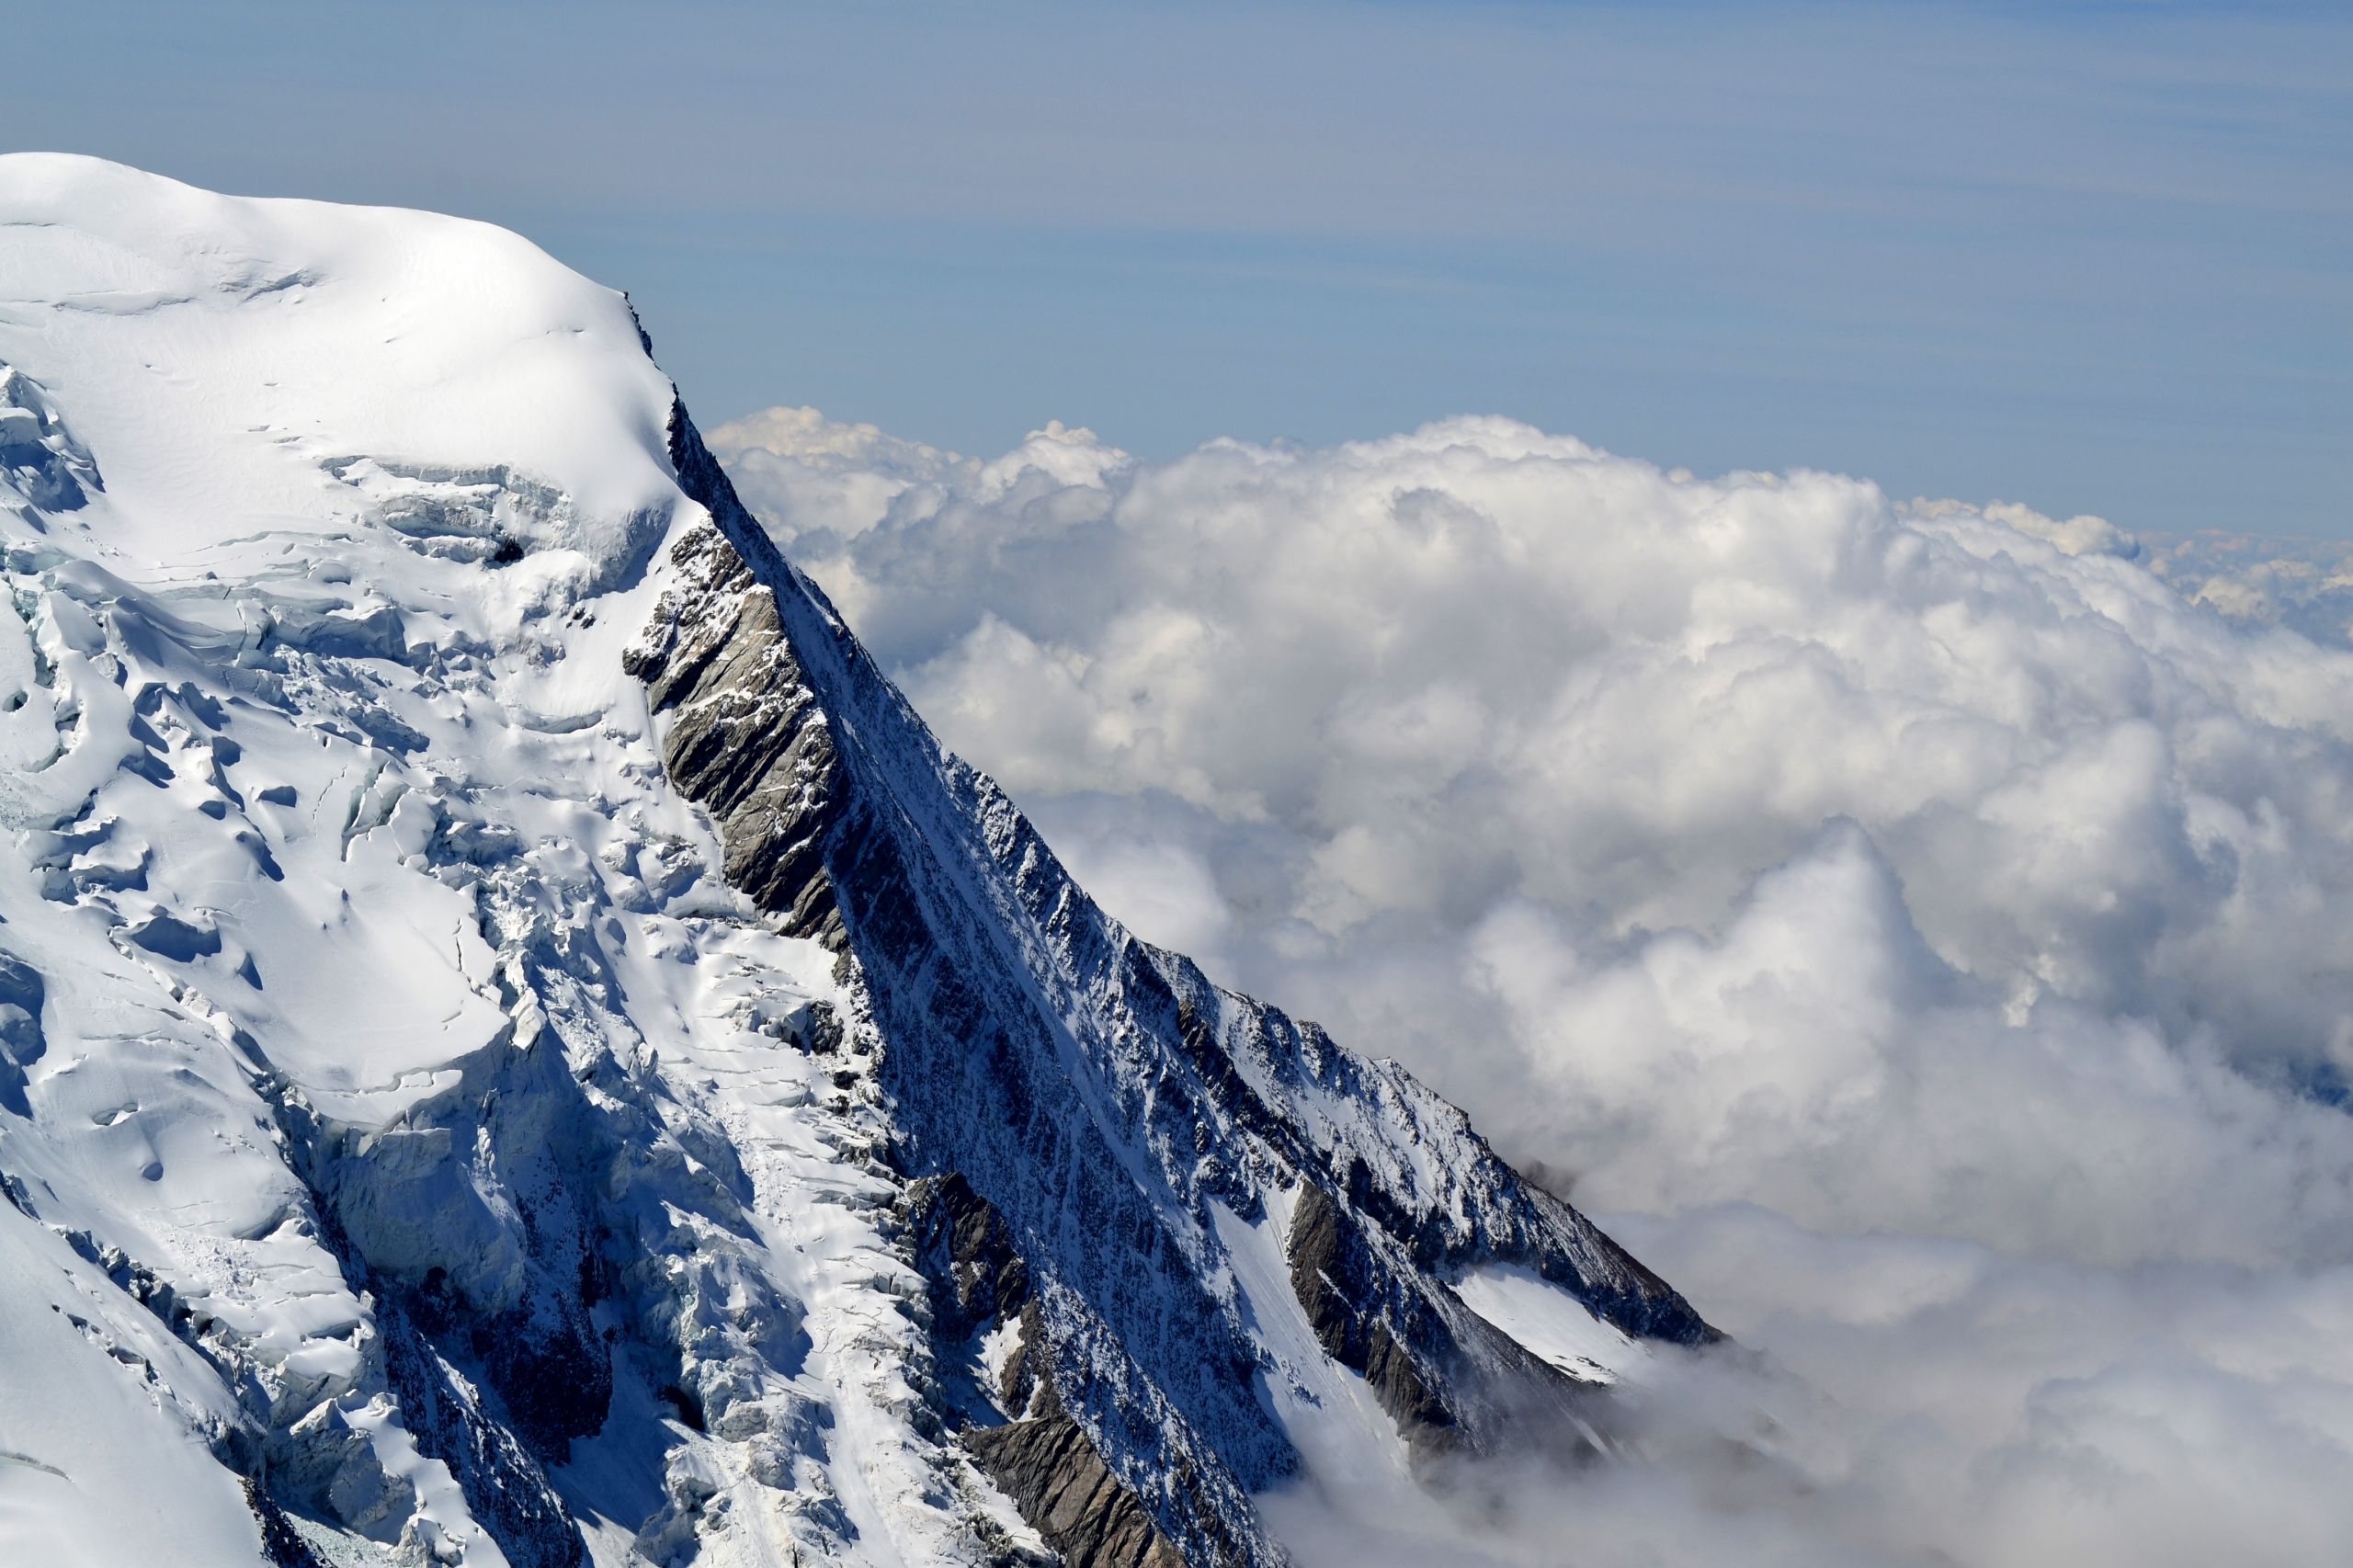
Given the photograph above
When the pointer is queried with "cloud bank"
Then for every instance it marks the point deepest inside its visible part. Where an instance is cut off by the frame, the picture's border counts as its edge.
(1912, 926)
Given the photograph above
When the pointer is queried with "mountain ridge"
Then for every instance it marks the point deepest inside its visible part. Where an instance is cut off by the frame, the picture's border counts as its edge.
(812, 893)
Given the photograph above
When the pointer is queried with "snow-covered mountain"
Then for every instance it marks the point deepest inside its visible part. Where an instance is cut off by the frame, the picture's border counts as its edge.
(517, 1045)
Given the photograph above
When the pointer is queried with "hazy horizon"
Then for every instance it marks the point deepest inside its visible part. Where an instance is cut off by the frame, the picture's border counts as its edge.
(2088, 258)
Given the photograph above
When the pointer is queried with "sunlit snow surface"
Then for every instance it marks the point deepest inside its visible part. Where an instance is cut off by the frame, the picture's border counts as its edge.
(325, 528)
(1550, 1324)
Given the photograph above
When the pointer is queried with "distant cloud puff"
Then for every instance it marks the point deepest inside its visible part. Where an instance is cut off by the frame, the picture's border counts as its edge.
(1822, 884)
(2306, 584)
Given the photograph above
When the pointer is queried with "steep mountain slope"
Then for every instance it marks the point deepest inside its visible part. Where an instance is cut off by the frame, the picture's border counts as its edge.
(517, 1046)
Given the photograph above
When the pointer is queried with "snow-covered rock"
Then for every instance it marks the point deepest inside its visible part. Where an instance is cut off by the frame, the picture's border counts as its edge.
(516, 1046)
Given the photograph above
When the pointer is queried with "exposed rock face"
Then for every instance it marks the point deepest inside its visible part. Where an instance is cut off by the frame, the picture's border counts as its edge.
(1049, 1466)
(1338, 1286)
(963, 1248)
(1101, 1117)
(749, 741)
(1044, 1460)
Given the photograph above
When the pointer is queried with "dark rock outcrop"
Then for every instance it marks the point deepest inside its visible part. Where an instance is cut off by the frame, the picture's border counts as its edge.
(749, 742)
(1050, 1468)
(1339, 1288)
(963, 1248)
(1041, 1458)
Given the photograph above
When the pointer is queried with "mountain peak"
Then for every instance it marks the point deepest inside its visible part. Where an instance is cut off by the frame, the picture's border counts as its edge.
(517, 1045)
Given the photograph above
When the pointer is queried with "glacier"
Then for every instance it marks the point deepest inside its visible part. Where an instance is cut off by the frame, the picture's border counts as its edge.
(517, 1046)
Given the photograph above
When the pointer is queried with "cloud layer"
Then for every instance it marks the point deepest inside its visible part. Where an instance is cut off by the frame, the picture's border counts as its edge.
(1914, 924)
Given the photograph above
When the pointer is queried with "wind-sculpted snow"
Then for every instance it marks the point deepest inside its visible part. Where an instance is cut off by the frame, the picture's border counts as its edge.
(452, 1112)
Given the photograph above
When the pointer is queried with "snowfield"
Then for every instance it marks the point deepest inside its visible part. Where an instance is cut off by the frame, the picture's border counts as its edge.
(417, 1148)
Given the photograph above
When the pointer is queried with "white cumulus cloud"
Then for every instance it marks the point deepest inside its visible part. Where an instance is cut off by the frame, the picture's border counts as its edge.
(1917, 926)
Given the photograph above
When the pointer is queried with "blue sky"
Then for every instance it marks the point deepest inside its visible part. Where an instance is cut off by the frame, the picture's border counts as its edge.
(2092, 257)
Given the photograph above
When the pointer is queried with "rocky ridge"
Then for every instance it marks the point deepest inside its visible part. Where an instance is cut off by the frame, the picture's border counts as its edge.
(1098, 1100)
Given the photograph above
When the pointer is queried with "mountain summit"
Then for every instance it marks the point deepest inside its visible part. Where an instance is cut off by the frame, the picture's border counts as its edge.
(517, 1046)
